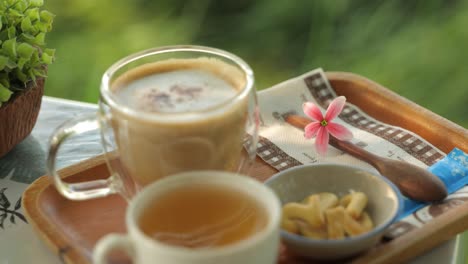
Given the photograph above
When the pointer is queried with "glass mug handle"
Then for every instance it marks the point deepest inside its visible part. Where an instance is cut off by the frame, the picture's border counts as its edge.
(82, 190)
(110, 243)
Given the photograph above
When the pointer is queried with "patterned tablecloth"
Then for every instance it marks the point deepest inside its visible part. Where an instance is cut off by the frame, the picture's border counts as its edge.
(26, 162)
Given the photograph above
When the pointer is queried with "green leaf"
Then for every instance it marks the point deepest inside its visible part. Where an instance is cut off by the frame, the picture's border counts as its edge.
(46, 58)
(9, 46)
(1, 24)
(27, 38)
(34, 58)
(22, 62)
(32, 75)
(40, 38)
(3, 34)
(11, 32)
(47, 16)
(33, 14)
(36, 3)
(15, 13)
(21, 6)
(26, 24)
(21, 76)
(10, 2)
(11, 64)
(50, 52)
(4, 80)
(41, 27)
(48, 26)
(25, 50)
(39, 72)
(3, 62)
(5, 94)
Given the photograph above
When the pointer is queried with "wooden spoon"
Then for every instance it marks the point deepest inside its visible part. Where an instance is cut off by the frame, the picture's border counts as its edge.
(414, 182)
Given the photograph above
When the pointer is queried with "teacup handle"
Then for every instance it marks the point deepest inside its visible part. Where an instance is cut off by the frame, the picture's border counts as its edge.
(109, 243)
(81, 190)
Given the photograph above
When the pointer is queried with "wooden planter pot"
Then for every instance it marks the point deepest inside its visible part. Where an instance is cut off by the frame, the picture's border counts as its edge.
(18, 116)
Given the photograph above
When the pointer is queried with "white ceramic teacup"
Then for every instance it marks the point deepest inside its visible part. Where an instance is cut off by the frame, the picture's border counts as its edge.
(260, 248)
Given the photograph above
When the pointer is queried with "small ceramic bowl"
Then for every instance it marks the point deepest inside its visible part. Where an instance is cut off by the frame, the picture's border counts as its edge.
(384, 205)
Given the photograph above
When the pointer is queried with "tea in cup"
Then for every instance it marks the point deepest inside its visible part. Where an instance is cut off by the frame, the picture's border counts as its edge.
(199, 217)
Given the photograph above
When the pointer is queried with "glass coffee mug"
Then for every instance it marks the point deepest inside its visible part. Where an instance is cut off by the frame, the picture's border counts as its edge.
(164, 111)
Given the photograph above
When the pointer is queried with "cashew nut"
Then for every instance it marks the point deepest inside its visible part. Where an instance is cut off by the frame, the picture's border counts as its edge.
(366, 222)
(351, 226)
(354, 203)
(309, 212)
(307, 231)
(335, 220)
(327, 200)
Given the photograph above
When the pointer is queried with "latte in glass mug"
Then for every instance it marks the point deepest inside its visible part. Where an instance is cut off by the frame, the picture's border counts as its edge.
(156, 147)
(164, 111)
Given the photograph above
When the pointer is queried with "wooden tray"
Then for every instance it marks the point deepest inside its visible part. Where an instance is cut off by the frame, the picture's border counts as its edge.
(72, 228)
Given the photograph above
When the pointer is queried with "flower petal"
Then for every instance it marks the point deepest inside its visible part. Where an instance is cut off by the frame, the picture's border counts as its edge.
(312, 111)
(311, 129)
(321, 142)
(335, 108)
(339, 131)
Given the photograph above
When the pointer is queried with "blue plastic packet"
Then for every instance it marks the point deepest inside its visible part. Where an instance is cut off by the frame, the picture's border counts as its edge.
(452, 170)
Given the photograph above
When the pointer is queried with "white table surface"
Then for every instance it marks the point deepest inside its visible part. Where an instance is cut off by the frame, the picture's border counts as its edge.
(25, 163)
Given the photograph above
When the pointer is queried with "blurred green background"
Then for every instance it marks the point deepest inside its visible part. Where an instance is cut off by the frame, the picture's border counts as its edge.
(417, 48)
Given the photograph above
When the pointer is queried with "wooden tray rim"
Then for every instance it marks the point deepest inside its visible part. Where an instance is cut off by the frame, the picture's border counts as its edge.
(51, 236)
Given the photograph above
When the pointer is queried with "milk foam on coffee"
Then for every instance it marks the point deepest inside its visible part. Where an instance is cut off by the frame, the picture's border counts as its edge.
(151, 148)
(178, 85)
(177, 91)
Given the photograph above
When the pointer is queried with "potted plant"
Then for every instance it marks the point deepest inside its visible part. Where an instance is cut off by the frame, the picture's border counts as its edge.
(23, 67)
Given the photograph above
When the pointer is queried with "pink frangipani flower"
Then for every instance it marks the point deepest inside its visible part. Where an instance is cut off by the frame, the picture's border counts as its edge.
(321, 126)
